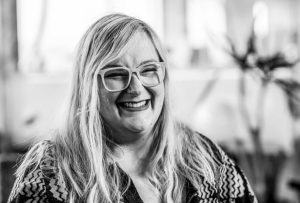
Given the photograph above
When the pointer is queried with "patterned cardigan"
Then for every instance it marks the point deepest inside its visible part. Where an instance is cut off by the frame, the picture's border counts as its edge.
(45, 183)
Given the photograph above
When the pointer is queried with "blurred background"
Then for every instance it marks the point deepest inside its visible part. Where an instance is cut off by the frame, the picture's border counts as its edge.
(234, 75)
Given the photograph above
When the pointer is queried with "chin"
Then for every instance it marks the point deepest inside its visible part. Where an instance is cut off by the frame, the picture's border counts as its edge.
(138, 127)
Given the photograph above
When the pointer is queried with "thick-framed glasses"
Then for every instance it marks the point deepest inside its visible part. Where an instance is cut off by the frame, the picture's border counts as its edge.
(116, 79)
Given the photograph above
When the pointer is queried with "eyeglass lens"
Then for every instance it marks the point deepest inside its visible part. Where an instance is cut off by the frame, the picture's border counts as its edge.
(119, 78)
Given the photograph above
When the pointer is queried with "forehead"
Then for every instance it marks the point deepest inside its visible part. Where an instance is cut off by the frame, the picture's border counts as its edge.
(140, 48)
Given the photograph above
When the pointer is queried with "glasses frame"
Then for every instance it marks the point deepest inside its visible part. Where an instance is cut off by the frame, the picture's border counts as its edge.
(135, 70)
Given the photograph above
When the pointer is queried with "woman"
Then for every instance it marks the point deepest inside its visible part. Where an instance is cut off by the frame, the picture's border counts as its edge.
(119, 143)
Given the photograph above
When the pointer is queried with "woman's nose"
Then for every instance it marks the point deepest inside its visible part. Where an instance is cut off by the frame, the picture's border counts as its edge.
(135, 85)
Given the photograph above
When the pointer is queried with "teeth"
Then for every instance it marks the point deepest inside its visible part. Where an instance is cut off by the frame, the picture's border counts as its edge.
(135, 104)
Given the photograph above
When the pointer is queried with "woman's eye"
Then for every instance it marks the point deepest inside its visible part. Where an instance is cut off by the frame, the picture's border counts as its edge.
(149, 69)
(116, 74)
(112, 75)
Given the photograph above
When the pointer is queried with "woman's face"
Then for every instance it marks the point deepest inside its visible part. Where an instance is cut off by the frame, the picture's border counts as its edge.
(132, 113)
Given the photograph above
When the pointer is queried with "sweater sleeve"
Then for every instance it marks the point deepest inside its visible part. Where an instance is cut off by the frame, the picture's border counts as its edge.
(38, 178)
(232, 184)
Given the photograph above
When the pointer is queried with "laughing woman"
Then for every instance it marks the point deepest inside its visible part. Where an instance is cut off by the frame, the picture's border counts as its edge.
(119, 142)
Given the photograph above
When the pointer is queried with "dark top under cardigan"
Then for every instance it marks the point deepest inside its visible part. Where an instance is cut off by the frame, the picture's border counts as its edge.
(45, 184)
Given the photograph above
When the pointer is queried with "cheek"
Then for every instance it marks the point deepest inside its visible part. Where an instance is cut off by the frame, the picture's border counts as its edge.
(105, 97)
(159, 96)
(107, 101)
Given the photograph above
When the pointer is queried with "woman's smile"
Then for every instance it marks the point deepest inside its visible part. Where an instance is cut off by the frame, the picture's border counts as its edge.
(133, 106)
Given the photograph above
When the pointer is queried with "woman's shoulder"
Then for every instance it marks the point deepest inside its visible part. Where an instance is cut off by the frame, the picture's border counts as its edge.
(194, 138)
(230, 181)
(215, 150)
(39, 177)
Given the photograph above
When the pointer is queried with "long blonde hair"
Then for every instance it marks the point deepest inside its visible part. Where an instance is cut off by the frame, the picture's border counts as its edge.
(84, 151)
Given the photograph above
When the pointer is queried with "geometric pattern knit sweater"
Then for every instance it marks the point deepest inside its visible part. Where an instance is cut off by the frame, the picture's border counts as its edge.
(45, 183)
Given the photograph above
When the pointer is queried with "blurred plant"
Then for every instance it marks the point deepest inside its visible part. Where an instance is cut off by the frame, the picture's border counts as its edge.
(264, 68)
(291, 88)
(209, 86)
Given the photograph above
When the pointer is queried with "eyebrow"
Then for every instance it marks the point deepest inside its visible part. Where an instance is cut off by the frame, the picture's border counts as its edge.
(114, 65)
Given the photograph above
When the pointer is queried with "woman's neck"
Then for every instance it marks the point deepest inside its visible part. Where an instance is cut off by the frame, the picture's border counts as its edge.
(132, 157)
